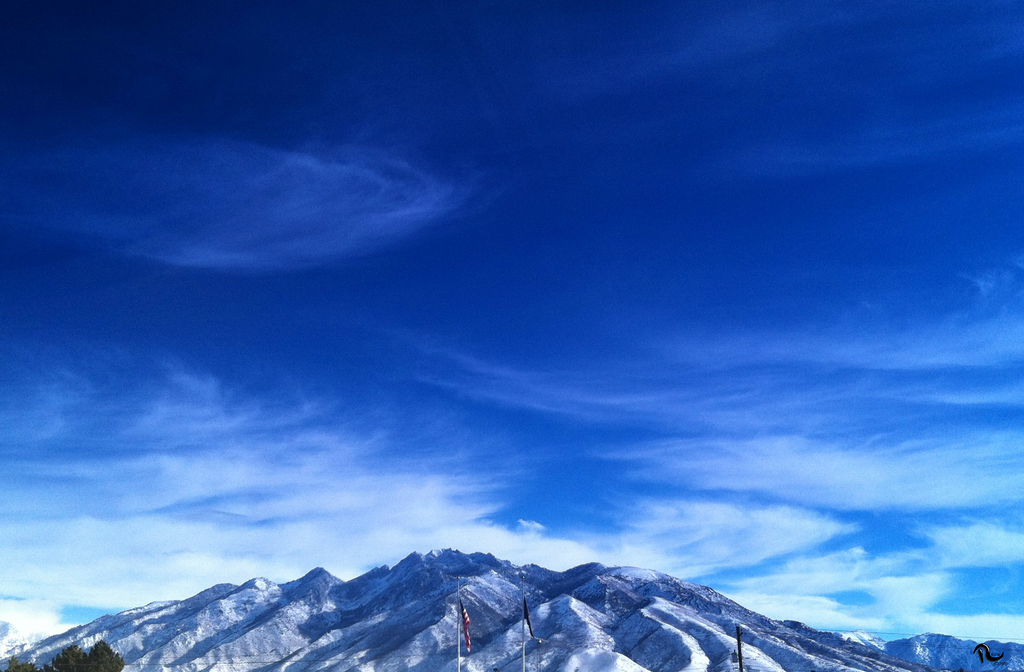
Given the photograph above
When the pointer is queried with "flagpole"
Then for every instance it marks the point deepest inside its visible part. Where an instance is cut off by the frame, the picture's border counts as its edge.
(458, 623)
(522, 588)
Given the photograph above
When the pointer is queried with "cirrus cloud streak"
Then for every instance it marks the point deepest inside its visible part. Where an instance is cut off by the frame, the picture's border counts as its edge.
(190, 483)
(224, 204)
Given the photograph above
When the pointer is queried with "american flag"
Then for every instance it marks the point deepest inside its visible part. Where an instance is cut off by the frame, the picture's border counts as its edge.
(465, 626)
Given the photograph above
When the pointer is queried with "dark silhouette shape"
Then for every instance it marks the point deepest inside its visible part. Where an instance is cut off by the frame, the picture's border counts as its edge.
(984, 654)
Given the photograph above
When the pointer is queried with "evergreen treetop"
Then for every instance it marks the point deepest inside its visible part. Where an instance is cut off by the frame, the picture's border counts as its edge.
(101, 658)
(15, 665)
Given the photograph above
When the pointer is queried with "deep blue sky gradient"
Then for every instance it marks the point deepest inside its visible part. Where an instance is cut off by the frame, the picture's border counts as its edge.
(730, 290)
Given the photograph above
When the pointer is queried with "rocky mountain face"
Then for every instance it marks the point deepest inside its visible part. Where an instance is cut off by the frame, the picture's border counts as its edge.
(950, 653)
(588, 619)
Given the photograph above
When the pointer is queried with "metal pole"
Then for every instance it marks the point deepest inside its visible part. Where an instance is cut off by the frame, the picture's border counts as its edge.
(458, 623)
(522, 620)
(739, 647)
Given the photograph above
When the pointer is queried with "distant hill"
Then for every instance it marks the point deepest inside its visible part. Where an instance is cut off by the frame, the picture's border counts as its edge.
(946, 652)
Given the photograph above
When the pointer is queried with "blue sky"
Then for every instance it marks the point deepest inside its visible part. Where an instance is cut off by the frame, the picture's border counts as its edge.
(729, 290)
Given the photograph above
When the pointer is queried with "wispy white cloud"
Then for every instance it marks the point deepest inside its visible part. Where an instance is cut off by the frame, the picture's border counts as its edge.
(853, 569)
(956, 340)
(820, 376)
(865, 420)
(905, 591)
(226, 204)
(903, 586)
(592, 395)
(696, 537)
(764, 47)
(889, 127)
(908, 589)
(979, 544)
(896, 141)
(977, 471)
(822, 611)
(191, 484)
(681, 41)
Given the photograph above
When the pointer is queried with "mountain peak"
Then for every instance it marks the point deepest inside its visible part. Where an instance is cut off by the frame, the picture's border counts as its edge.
(452, 562)
(865, 638)
(317, 574)
(259, 583)
(317, 578)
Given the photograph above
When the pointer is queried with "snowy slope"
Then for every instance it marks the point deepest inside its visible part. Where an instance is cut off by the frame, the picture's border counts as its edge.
(588, 619)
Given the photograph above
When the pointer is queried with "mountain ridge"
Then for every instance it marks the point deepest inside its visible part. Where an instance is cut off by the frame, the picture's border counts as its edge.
(391, 619)
(948, 652)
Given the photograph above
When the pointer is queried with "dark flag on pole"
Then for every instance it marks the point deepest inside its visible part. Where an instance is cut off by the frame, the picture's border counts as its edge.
(465, 626)
(526, 615)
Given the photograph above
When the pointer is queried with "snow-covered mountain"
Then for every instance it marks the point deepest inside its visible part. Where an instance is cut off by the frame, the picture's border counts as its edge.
(866, 638)
(950, 653)
(10, 639)
(588, 619)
